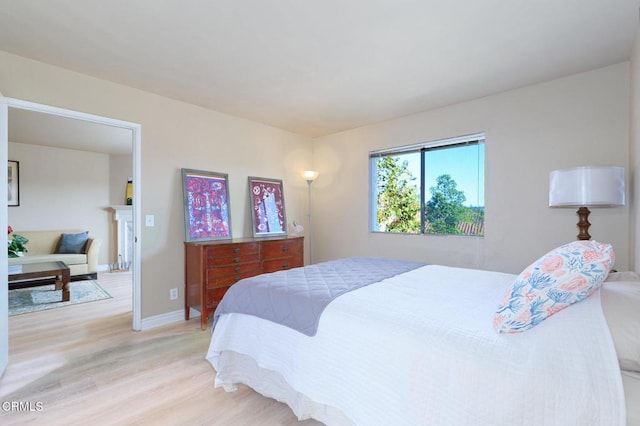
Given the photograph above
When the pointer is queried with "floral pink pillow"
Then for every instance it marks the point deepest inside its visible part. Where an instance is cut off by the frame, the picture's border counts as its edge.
(564, 276)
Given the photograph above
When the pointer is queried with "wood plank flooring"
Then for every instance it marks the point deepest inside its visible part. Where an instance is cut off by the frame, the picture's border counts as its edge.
(83, 364)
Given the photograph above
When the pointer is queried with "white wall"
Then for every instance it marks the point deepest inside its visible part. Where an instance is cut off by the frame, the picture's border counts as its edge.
(68, 181)
(62, 189)
(579, 120)
(174, 135)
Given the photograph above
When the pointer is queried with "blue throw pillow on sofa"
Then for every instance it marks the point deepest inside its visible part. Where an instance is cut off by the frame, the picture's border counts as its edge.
(73, 243)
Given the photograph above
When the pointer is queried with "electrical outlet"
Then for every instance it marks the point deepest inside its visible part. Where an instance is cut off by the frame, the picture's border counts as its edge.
(150, 221)
(173, 293)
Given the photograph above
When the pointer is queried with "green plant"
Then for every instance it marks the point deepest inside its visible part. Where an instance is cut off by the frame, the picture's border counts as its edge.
(17, 245)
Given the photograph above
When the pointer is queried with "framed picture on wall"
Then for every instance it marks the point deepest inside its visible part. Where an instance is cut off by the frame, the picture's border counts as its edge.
(206, 205)
(13, 184)
(267, 207)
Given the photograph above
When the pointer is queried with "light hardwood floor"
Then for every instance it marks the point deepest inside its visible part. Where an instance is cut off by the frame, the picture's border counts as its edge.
(83, 364)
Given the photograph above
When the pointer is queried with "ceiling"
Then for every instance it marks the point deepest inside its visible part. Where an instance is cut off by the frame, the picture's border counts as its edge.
(320, 67)
(37, 128)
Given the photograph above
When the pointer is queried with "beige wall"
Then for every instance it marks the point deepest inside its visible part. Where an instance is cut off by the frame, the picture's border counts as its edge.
(62, 189)
(174, 135)
(120, 168)
(579, 120)
(634, 127)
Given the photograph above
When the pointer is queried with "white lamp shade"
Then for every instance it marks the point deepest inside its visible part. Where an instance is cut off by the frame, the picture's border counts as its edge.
(310, 175)
(587, 186)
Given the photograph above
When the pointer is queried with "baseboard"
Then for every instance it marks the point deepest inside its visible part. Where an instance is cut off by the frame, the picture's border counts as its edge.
(166, 319)
(111, 268)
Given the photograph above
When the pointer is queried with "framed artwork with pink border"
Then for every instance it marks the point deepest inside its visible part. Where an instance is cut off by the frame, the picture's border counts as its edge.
(206, 205)
(267, 207)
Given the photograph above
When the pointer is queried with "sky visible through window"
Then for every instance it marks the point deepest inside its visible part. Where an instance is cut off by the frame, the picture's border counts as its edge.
(464, 164)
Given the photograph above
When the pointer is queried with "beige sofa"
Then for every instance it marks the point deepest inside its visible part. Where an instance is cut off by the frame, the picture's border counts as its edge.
(42, 247)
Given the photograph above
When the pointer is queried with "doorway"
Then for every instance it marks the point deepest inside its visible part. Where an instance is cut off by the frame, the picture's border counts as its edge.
(110, 125)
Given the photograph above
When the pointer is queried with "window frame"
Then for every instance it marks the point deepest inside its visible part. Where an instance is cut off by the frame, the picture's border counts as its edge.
(422, 149)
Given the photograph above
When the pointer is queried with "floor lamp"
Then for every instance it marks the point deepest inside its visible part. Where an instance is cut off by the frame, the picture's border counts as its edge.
(309, 176)
(585, 187)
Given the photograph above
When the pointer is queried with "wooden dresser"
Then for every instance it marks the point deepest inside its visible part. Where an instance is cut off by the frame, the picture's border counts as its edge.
(211, 267)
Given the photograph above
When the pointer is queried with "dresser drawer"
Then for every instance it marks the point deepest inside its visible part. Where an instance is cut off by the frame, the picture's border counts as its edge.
(228, 250)
(234, 269)
(281, 248)
(281, 264)
(232, 253)
(227, 275)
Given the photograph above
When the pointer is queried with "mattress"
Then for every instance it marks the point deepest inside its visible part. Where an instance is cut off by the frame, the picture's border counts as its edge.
(419, 348)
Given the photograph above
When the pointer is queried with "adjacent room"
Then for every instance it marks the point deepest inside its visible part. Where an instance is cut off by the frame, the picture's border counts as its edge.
(355, 212)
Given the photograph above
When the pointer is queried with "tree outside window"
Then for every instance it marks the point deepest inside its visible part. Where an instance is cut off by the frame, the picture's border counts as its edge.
(398, 197)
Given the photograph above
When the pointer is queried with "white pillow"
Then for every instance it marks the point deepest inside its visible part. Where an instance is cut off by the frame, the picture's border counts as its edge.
(621, 306)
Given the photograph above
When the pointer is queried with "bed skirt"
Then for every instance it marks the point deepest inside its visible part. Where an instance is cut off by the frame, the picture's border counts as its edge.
(235, 368)
(631, 382)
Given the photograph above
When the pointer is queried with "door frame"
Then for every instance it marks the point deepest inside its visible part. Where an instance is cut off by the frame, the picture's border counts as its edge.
(136, 130)
(4, 279)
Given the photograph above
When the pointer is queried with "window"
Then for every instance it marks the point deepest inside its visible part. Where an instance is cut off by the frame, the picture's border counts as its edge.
(430, 188)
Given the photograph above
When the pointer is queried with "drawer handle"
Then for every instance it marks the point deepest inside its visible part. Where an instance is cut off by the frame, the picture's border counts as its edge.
(237, 269)
(236, 259)
(285, 249)
(236, 250)
(285, 265)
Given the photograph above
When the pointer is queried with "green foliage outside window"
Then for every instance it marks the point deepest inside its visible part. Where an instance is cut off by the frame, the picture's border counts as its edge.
(398, 198)
(445, 208)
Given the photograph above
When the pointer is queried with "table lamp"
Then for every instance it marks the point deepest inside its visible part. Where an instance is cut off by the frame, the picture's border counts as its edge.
(585, 187)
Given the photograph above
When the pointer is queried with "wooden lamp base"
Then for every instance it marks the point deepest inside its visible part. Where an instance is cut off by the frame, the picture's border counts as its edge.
(583, 223)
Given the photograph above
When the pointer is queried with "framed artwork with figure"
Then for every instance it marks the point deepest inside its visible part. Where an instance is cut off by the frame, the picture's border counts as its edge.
(267, 207)
(13, 184)
(206, 205)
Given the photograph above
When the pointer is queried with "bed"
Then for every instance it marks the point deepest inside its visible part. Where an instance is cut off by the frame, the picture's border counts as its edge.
(420, 347)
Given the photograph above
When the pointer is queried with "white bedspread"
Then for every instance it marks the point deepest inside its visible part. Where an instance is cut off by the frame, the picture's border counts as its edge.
(419, 349)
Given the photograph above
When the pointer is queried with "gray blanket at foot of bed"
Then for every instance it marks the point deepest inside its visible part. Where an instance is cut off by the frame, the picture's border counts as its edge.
(296, 297)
